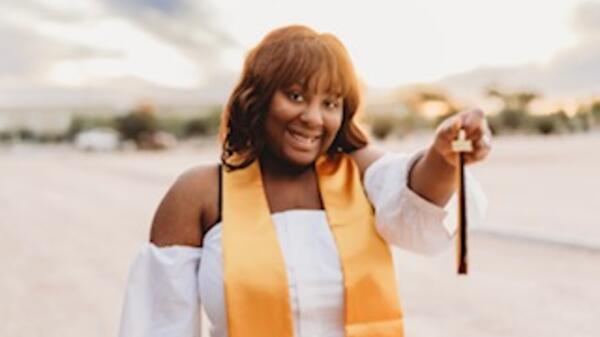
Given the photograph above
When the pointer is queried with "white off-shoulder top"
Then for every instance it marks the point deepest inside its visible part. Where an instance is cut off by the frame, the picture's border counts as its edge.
(167, 285)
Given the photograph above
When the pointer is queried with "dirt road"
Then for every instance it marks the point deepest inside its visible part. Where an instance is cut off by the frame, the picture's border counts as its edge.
(71, 223)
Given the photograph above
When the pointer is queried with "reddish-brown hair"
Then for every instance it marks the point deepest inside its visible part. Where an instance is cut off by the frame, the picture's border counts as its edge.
(287, 56)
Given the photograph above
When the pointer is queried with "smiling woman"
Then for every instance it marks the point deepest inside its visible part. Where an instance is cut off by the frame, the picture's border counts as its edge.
(290, 234)
(300, 128)
(313, 71)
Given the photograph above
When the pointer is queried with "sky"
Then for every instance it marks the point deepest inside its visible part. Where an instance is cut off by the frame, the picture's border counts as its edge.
(552, 46)
(398, 42)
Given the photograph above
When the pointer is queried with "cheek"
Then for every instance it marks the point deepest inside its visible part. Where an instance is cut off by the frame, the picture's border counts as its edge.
(272, 134)
(332, 124)
(275, 119)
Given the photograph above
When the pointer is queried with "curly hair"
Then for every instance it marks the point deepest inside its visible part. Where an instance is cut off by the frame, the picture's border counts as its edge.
(287, 56)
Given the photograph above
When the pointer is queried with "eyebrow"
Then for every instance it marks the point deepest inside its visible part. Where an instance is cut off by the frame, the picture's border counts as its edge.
(303, 88)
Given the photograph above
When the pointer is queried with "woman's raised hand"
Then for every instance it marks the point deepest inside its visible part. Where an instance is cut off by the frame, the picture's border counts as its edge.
(474, 123)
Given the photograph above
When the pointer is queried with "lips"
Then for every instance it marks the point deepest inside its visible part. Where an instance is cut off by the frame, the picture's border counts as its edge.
(304, 138)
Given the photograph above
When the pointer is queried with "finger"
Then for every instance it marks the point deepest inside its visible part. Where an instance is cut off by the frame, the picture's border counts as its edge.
(456, 126)
(450, 129)
(480, 132)
(481, 141)
(482, 146)
(473, 120)
(475, 135)
(478, 155)
(486, 138)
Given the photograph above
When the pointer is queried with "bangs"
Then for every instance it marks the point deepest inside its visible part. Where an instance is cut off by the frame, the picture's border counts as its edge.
(318, 64)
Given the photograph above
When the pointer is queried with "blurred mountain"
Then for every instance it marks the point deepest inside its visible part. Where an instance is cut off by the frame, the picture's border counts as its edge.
(116, 93)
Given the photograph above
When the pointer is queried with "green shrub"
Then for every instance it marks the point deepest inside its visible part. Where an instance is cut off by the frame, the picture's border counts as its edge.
(595, 112)
(173, 125)
(410, 122)
(558, 122)
(546, 124)
(513, 119)
(495, 124)
(206, 125)
(382, 126)
(582, 121)
(6, 136)
(25, 134)
(196, 127)
(136, 125)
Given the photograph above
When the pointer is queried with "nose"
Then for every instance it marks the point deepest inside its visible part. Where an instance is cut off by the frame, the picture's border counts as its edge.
(312, 115)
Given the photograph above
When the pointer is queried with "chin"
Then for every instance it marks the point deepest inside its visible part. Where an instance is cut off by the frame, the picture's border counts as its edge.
(301, 158)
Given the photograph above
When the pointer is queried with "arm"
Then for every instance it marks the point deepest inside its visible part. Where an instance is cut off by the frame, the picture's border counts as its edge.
(411, 193)
(433, 176)
(183, 211)
(161, 295)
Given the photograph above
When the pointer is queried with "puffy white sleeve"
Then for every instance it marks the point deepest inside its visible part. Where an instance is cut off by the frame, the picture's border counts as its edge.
(407, 220)
(161, 296)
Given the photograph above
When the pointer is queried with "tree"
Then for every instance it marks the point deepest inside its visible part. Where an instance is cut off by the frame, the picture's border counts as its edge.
(515, 112)
(138, 125)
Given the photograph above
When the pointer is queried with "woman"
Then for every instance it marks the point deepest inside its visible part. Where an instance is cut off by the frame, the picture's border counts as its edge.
(290, 235)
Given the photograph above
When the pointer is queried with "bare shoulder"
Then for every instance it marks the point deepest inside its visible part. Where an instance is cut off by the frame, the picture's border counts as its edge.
(181, 214)
(365, 156)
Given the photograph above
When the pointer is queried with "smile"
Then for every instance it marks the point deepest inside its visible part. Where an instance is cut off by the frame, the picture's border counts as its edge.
(303, 138)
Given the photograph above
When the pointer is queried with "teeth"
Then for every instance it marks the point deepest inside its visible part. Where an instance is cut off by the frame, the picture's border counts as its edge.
(303, 139)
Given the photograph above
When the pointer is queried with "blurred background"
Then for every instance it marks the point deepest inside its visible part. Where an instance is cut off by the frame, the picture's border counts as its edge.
(104, 102)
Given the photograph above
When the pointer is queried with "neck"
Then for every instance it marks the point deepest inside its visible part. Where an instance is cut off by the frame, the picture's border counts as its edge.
(275, 167)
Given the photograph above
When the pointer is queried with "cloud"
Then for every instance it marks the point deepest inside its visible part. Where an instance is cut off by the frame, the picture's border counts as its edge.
(164, 6)
(23, 59)
(30, 54)
(586, 19)
(153, 40)
(574, 71)
(188, 23)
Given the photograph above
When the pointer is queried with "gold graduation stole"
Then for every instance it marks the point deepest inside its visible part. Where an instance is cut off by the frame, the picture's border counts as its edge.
(256, 286)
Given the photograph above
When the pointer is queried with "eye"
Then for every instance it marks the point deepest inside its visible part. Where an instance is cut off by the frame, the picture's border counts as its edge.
(295, 96)
(332, 104)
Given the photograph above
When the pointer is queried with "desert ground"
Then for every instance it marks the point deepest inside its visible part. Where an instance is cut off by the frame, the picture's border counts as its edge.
(72, 222)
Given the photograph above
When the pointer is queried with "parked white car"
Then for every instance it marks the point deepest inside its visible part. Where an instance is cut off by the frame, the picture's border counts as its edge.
(98, 139)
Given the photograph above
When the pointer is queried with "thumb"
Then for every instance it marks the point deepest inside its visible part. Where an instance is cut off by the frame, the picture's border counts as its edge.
(456, 125)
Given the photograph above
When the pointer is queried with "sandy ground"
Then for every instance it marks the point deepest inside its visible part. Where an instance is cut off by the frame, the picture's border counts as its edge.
(72, 222)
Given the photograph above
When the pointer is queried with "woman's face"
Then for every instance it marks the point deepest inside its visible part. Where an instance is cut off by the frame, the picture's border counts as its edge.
(301, 126)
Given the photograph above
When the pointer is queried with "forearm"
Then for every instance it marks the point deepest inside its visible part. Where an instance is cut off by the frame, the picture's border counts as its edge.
(433, 178)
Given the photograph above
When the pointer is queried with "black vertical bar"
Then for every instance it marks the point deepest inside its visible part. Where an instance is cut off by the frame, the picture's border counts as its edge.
(462, 265)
